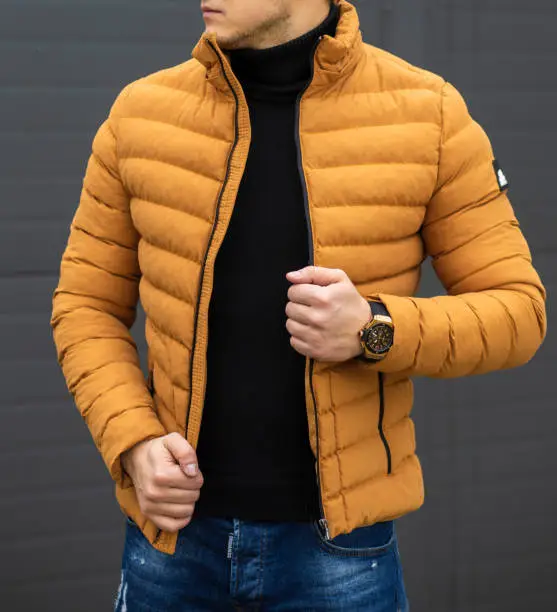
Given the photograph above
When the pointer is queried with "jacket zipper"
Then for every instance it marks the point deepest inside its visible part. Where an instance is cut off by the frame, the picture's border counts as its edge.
(215, 223)
(322, 521)
(381, 418)
(151, 388)
(213, 230)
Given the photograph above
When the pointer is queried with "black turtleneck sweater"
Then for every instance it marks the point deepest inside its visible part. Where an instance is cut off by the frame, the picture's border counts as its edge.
(254, 449)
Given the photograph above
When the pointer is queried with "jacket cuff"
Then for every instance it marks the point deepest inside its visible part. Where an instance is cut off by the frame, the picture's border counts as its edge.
(124, 431)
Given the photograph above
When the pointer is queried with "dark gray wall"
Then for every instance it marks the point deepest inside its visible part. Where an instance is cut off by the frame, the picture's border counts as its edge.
(486, 539)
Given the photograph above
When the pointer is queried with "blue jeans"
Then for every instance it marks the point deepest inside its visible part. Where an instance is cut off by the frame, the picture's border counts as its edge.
(233, 565)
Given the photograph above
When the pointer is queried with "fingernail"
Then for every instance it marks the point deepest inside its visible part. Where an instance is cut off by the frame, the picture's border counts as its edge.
(191, 469)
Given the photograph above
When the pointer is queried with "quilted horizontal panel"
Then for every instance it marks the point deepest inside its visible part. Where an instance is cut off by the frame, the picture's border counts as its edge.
(141, 138)
(365, 224)
(393, 184)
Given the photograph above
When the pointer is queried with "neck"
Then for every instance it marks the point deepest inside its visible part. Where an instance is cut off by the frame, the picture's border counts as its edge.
(281, 72)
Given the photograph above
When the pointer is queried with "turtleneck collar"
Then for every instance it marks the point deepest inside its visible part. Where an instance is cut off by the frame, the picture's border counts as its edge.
(281, 72)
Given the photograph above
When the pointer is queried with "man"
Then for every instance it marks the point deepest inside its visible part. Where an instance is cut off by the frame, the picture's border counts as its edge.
(271, 202)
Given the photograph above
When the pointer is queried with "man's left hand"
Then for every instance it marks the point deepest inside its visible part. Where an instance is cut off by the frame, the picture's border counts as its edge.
(325, 314)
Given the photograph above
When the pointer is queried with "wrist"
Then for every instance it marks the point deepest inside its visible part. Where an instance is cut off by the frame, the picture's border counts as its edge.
(364, 317)
(129, 457)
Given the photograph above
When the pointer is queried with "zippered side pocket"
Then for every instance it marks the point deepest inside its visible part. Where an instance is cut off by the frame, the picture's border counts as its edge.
(381, 419)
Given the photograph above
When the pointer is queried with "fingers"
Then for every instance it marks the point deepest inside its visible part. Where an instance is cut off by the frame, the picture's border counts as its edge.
(299, 312)
(173, 511)
(179, 496)
(169, 524)
(182, 452)
(157, 500)
(307, 316)
(298, 330)
(171, 476)
(317, 275)
(166, 493)
(156, 493)
(176, 511)
(170, 508)
(309, 295)
(301, 347)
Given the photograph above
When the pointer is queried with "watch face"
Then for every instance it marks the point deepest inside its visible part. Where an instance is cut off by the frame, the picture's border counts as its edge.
(379, 338)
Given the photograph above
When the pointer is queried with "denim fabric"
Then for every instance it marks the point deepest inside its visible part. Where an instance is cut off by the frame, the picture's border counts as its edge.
(233, 565)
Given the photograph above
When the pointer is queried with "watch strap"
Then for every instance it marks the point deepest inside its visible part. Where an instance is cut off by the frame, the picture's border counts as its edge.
(378, 308)
(366, 359)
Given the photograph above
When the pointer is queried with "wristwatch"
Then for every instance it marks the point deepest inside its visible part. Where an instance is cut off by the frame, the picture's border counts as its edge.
(377, 335)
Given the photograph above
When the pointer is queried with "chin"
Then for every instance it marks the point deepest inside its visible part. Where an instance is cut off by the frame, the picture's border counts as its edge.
(225, 39)
(228, 42)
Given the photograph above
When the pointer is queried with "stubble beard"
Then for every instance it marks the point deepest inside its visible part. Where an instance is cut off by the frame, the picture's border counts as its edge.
(269, 33)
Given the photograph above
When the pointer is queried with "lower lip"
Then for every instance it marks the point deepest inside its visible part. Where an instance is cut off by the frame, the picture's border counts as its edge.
(210, 13)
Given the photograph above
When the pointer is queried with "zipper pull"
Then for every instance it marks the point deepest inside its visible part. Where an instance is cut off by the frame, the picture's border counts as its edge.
(325, 528)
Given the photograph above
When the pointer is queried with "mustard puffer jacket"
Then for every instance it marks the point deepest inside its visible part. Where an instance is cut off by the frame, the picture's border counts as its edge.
(394, 170)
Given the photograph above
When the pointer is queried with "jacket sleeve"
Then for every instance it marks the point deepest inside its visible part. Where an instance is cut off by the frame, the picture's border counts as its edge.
(94, 307)
(493, 316)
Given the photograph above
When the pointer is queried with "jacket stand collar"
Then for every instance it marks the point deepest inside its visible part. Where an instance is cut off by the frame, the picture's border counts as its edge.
(334, 55)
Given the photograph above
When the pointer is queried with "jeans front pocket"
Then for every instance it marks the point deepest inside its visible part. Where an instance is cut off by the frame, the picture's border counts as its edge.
(368, 541)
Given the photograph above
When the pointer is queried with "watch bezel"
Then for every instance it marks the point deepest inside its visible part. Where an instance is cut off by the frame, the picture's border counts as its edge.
(368, 332)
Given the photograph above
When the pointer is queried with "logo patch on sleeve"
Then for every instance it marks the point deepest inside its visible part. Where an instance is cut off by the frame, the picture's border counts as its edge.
(502, 180)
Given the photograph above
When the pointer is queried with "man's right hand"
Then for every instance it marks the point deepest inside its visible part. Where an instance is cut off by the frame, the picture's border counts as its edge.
(166, 478)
